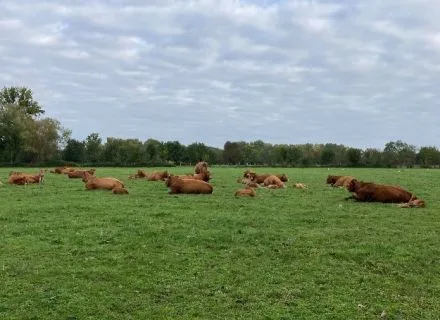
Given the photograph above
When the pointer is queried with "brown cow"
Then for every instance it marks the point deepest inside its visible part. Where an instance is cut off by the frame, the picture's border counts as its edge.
(259, 178)
(300, 186)
(273, 182)
(178, 185)
(93, 182)
(25, 178)
(247, 191)
(157, 176)
(119, 190)
(247, 172)
(339, 181)
(413, 203)
(78, 174)
(63, 170)
(201, 166)
(139, 175)
(372, 192)
(17, 179)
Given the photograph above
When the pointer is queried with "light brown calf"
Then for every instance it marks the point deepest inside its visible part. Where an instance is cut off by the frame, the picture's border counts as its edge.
(245, 192)
(178, 185)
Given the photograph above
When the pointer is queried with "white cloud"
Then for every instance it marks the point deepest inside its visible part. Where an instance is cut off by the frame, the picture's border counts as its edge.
(216, 70)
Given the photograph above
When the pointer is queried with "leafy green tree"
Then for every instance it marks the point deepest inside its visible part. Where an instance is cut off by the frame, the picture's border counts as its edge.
(232, 153)
(174, 151)
(372, 157)
(74, 151)
(429, 156)
(23, 97)
(15, 128)
(93, 148)
(43, 143)
(354, 157)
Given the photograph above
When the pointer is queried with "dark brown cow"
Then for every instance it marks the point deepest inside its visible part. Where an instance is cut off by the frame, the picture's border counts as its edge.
(372, 192)
(178, 185)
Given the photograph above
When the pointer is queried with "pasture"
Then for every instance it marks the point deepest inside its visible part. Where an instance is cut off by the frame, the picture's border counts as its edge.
(67, 253)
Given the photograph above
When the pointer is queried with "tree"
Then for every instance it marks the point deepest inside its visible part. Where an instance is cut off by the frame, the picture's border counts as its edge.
(372, 157)
(354, 156)
(20, 96)
(174, 151)
(15, 127)
(429, 156)
(93, 148)
(74, 151)
(42, 144)
(327, 156)
(232, 153)
(153, 151)
(399, 153)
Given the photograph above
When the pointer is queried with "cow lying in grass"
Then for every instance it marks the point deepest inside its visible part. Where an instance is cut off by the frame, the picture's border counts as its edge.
(140, 174)
(372, 192)
(339, 181)
(78, 174)
(245, 192)
(204, 176)
(273, 182)
(157, 176)
(21, 178)
(176, 184)
(413, 203)
(259, 178)
(62, 170)
(300, 186)
(200, 167)
(94, 183)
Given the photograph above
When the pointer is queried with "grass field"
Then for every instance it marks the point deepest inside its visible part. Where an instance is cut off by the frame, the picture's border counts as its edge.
(67, 253)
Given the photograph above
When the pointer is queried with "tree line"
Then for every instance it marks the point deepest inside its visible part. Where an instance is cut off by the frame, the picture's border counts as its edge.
(29, 138)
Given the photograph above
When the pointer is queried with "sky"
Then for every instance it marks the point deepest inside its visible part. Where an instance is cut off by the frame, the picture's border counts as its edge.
(359, 73)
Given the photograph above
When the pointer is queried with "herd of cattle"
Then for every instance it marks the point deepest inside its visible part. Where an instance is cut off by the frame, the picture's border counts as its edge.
(198, 183)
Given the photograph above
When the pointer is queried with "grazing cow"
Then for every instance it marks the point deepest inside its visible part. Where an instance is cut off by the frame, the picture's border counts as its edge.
(372, 192)
(179, 185)
(119, 190)
(201, 166)
(245, 192)
(78, 174)
(93, 182)
(157, 176)
(273, 182)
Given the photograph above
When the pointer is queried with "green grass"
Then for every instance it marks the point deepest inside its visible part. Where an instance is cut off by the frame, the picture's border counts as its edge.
(67, 253)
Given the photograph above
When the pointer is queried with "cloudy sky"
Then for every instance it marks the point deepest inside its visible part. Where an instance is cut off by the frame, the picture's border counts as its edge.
(355, 72)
